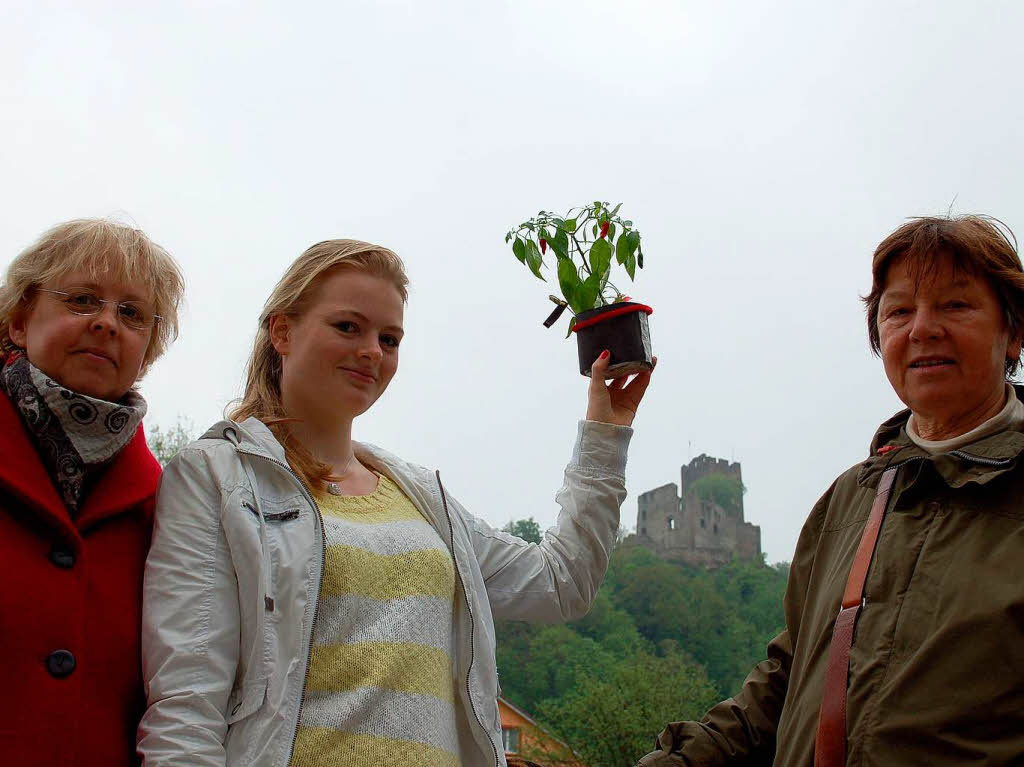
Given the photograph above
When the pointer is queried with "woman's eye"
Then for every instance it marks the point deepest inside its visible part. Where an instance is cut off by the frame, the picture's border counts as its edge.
(389, 341)
(83, 299)
(956, 305)
(897, 312)
(346, 327)
(130, 311)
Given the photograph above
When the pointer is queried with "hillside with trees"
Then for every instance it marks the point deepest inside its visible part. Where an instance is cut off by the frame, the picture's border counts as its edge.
(663, 642)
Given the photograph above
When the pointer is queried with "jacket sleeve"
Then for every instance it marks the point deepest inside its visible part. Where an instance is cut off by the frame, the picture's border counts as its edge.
(741, 730)
(190, 622)
(557, 579)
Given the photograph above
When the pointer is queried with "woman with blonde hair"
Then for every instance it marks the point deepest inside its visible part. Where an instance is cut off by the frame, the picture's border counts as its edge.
(84, 312)
(314, 600)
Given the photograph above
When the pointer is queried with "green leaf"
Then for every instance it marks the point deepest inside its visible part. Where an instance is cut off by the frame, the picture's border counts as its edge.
(572, 324)
(587, 295)
(560, 244)
(519, 248)
(534, 259)
(595, 231)
(542, 233)
(611, 232)
(600, 257)
(616, 209)
(569, 282)
(508, 237)
(640, 259)
(569, 225)
(631, 266)
(622, 249)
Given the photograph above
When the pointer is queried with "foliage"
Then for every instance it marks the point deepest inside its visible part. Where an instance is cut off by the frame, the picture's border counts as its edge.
(662, 642)
(527, 529)
(608, 717)
(165, 444)
(722, 489)
(584, 242)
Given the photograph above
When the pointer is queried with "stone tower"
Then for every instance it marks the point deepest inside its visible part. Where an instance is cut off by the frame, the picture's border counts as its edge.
(676, 523)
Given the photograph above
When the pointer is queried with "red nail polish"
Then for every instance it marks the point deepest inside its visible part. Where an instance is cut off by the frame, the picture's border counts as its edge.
(604, 354)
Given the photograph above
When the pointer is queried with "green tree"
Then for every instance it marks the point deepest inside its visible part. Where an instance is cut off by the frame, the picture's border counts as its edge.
(165, 443)
(611, 716)
(527, 529)
(722, 489)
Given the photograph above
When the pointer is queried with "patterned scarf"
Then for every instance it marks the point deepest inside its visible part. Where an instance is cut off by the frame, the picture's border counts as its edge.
(76, 435)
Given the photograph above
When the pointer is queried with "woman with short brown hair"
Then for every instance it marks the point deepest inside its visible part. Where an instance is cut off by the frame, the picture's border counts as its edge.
(915, 549)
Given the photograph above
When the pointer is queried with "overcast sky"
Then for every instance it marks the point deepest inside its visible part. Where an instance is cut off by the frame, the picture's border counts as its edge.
(762, 149)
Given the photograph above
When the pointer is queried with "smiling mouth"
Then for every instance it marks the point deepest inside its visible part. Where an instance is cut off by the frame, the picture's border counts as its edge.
(930, 363)
(96, 355)
(360, 375)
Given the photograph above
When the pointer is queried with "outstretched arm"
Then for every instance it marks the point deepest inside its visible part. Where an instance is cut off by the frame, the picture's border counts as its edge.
(557, 579)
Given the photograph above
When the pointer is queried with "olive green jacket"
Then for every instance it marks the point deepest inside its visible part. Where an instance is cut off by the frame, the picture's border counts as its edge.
(937, 664)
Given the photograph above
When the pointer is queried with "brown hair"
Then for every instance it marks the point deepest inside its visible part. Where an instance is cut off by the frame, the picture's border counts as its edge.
(978, 245)
(292, 297)
(102, 247)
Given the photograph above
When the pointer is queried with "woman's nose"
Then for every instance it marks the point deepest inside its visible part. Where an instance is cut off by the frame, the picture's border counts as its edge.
(372, 350)
(926, 324)
(106, 319)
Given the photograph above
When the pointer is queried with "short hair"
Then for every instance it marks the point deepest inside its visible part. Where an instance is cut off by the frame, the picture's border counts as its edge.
(104, 248)
(292, 296)
(982, 246)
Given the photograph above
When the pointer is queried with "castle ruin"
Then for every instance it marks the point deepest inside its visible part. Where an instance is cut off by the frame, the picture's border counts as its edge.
(677, 523)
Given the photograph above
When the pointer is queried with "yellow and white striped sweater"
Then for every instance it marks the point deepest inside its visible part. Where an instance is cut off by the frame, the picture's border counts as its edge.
(380, 690)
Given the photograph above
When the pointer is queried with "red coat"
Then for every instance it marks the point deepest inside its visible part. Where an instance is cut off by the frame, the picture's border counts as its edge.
(70, 607)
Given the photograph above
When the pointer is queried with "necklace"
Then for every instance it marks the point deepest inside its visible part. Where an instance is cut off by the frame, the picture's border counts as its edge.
(334, 485)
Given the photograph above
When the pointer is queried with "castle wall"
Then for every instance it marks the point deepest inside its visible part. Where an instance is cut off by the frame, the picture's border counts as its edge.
(688, 529)
(660, 523)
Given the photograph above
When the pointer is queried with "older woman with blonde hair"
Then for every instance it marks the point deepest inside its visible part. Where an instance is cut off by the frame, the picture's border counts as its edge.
(312, 600)
(84, 312)
(904, 637)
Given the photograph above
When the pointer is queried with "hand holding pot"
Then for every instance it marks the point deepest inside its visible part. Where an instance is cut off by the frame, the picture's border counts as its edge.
(615, 402)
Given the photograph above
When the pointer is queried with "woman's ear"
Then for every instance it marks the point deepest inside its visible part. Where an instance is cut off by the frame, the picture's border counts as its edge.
(280, 328)
(1016, 344)
(17, 328)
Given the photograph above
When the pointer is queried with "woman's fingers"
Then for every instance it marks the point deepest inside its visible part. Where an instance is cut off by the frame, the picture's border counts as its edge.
(635, 391)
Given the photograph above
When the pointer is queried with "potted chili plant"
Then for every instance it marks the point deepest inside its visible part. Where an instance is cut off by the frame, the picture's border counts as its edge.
(585, 243)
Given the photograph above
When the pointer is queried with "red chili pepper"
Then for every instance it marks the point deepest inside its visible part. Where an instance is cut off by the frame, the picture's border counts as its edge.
(604, 229)
(543, 245)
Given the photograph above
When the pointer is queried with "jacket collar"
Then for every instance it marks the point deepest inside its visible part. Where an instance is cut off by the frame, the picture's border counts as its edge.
(418, 483)
(980, 461)
(130, 478)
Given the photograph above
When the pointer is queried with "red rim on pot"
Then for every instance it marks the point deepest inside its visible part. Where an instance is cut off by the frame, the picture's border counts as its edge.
(611, 314)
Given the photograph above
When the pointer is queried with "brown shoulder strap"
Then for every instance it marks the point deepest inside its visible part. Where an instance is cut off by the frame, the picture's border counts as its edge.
(830, 743)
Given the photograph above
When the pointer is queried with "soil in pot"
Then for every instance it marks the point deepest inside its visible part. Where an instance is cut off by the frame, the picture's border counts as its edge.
(620, 328)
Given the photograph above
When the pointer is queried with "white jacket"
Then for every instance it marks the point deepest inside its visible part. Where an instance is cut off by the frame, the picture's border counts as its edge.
(234, 572)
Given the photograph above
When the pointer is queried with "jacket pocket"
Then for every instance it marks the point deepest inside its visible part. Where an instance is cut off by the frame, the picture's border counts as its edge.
(246, 699)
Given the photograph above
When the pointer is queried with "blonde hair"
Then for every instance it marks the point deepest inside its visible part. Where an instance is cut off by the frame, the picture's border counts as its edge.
(103, 248)
(292, 297)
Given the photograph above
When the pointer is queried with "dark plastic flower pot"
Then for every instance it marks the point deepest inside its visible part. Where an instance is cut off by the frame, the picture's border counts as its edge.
(620, 328)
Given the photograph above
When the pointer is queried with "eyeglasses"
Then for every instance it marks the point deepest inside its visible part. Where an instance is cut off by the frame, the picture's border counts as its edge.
(132, 314)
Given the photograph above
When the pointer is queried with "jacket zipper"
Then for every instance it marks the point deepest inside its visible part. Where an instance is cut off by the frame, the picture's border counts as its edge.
(465, 593)
(316, 606)
(995, 462)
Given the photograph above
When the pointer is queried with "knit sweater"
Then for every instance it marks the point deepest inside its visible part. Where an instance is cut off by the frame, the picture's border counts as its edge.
(380, 689)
